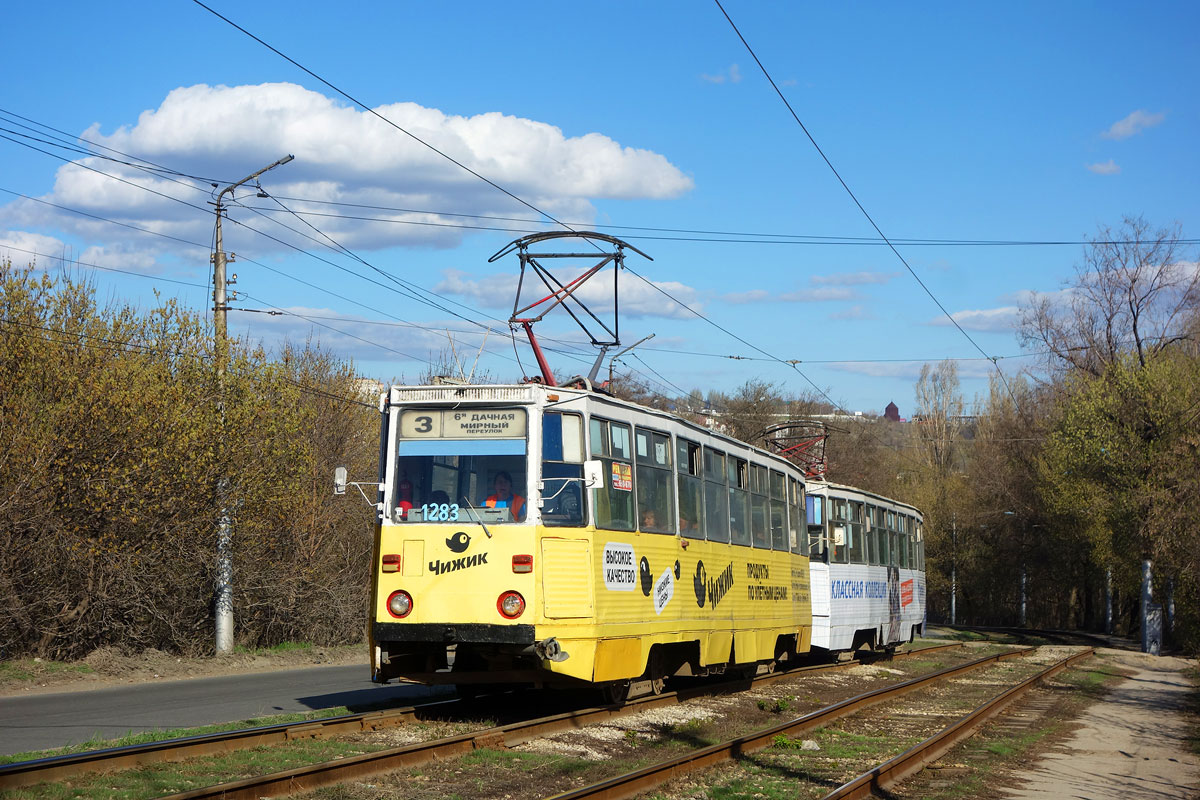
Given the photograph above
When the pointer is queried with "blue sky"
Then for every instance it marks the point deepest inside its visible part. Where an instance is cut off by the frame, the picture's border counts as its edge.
(1018, 122)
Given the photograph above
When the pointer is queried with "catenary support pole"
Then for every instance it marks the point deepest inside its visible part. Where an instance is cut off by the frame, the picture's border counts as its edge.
(224, 588)
(954, 568)
(1147, 599)
(1108, 601)
(1022, 624)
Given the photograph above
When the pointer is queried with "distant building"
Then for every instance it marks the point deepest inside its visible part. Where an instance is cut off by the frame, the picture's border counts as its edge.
(367, 388)
(892, 412)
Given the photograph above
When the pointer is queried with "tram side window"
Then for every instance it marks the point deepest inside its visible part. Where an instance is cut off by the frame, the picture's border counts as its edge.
(872, 547)
(777, 489)
(716, 497)
(798, 539)
(815, 515)
(897, 535)
(887, 539)
(656, 499)
(739, 500)
(905, 542)
(562, 469)
(839, 530)
(856, 547)
(920, 545)
(760, 527)
(614, 499)
(691, 488)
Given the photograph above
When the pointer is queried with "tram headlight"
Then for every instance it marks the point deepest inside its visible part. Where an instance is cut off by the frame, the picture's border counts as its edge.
(511, 605)
(399, 604)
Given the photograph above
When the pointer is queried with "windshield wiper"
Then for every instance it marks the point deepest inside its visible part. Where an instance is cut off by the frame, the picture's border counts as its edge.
(475, 516)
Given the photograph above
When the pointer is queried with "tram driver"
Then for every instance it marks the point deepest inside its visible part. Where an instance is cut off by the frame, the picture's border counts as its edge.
(503, 497)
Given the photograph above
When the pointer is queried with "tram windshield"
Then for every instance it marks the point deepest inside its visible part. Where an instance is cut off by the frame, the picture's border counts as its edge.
(458, 465)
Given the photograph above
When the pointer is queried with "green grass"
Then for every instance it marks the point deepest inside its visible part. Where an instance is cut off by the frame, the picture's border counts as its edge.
(777, 706)
(1094, 681)
(156, 780)
(147, 737)
(840, 744)
(27, 669)
(524, 762)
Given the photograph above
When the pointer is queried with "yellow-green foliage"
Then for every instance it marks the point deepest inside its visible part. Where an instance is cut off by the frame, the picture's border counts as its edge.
(110, 451)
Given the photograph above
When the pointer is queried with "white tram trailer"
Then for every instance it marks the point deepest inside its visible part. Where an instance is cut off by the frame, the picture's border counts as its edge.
(867, 563)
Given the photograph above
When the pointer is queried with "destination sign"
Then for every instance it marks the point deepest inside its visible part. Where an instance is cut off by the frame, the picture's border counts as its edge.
(497, 423)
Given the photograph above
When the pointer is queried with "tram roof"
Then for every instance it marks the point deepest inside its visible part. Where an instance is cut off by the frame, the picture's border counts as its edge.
(816, 486)
(534, 393)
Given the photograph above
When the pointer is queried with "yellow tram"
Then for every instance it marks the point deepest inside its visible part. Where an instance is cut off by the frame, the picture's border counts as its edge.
(556, 536)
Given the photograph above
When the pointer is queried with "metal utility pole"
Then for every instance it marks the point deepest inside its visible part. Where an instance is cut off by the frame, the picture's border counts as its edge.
(224, 588)
(1108, 601)
(953, 568)
(1023, 596)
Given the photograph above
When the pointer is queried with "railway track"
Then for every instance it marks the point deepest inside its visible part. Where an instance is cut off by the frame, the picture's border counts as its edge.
(879, 779)
(60, 768)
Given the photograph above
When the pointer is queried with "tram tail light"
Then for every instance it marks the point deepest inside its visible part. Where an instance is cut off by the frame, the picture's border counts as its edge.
(391, 563)
(522, 564)
(511, 605)
(400, 604)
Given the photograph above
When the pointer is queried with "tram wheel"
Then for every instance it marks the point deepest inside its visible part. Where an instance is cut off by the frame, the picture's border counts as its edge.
(616, 693)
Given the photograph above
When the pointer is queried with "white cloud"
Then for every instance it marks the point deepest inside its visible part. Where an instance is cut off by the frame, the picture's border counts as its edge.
(354, 337)
(1026, 297)
(822, 295)
(637, 299)
(854, 278)
(733, 76)
(492, 291)
(23, 248)
(347, 156)
(1109, 167)
(998, 320)
(1133, 124)
(897, 369)
(121, 256)
(911, 370)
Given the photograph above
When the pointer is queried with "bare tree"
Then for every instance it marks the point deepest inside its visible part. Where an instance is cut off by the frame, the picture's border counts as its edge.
(1131, 294)
(939, 414)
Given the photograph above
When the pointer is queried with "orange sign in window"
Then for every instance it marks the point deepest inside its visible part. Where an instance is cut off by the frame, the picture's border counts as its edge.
(622, 476)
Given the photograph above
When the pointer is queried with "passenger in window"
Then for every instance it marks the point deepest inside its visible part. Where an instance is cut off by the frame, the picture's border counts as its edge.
(405, 494)
(503, 497)
(648, 520)
(685, 524)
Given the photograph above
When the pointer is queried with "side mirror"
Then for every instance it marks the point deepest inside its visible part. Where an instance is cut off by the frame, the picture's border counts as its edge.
(339, 481)
(593, 474)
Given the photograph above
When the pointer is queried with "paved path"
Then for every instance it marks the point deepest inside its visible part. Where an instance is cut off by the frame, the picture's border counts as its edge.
(42, 721)
(1132, 746)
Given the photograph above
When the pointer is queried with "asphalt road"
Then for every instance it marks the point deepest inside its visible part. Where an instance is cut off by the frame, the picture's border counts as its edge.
(43, 721)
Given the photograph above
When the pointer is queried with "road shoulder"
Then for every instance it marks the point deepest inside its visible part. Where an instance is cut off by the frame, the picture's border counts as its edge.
(1131, 744)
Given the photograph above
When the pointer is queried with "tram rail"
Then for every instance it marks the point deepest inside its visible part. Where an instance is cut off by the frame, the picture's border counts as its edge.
(58, 768)
(880, 778)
